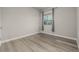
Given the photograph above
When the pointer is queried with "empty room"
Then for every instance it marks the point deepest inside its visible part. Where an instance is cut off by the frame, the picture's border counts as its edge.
(39, 29)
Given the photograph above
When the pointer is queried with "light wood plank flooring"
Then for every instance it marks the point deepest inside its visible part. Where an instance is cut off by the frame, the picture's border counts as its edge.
(40, 43)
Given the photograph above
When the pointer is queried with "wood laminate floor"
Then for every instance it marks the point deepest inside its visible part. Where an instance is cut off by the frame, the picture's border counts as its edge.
(40, 43)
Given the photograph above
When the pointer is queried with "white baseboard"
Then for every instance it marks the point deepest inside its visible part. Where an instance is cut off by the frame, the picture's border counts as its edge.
(34, 34)
(18, 37)
(60, 36)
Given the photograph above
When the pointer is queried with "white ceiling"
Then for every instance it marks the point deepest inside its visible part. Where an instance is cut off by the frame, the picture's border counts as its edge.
(43, 8)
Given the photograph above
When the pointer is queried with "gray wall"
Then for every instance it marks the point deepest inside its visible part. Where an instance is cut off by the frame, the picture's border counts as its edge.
(19, 21)
(65, 22)
(23, 21)
(0, 23)
(78, 26)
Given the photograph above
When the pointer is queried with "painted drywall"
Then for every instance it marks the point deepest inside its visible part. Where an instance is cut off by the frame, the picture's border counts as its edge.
(65, 22)
(19, 22)
(78, 27)
(0, 22)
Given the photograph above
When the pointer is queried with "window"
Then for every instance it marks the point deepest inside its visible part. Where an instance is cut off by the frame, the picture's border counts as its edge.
(48, 19)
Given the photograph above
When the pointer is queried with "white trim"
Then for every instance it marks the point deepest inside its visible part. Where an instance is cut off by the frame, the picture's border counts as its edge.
(34, 34)
(60, 36)
(4, 41)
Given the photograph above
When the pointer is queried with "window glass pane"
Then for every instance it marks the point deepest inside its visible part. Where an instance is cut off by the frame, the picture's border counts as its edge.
(47, 19)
